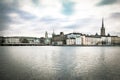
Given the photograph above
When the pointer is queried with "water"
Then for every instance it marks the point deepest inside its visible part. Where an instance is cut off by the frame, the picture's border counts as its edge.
(59, 63)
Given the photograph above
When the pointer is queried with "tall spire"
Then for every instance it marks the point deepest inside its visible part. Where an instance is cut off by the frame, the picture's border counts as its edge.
(46, 34)
(53, 33)
(102, 28)
(102, 22)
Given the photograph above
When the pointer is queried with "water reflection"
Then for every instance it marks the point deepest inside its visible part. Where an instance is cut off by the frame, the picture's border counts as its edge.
(59, 63)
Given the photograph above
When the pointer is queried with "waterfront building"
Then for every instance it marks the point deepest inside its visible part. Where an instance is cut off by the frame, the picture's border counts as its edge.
(78, 40)
(58, 39)
(42, 41)
(47, 40)
(70, 41)
(1, 40)
(115, 40)
(36, 40)
(12, 40)
(83, 42)
(92, 40)
(106, 40)
(19, 40)
(30, 40)
(74, 39)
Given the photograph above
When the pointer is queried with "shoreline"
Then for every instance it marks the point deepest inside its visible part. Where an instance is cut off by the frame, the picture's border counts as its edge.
(55, 45)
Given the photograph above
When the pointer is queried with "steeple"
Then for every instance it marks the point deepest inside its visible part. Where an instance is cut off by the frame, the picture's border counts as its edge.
(46, 34)
(102, 28)
(53, 33)
(103, 23)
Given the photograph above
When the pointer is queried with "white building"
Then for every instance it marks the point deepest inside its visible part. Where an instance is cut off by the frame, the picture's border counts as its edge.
(12, 40)
(70, 41)
(92, 40)
(83, 42)
(18, 40)
(74, 39)
(59, 42)
(106, 40)
(47, 41)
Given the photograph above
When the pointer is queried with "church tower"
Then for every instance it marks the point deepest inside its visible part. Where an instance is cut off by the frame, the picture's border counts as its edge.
(102, 28)
(53, 33)
(46, 34)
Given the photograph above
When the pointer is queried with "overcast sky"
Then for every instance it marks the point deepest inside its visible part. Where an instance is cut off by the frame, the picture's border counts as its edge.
(34, 17)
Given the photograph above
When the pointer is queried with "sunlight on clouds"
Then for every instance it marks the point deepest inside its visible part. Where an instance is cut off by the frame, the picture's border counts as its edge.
(13, 15)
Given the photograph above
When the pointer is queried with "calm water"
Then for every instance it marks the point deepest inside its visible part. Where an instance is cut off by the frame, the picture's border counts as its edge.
(59, 63)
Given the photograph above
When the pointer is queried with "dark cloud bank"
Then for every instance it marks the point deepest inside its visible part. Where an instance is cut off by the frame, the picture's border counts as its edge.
(8, 8)
(108, 2)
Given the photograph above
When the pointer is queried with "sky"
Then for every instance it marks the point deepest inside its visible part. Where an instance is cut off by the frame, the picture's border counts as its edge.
(35, 17)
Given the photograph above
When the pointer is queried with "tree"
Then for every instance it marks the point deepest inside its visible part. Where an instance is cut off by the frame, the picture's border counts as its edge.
(24, 40)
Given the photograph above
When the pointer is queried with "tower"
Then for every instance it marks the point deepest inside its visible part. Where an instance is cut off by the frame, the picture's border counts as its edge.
(46, 34)
(53, 33)
(102, 28)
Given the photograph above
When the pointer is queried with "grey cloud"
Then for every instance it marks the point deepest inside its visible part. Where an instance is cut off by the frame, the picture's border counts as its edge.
(36, 2)
(72, 26)
(4, 18)
(4, 22)
(48, 19)
(107, 2)
(7, 8)
(80, 23)
(115, 15)
(24, 15)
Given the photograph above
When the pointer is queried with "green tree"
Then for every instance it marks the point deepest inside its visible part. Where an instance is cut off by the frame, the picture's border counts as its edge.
(24, 40)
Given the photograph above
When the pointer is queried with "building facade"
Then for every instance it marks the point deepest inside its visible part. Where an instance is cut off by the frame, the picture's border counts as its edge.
(115, 40)
(1, 40)
(92, 40)
(58, 39)
(70, 41)
(12, 40)
(47, 40)
(74, 39)
(19, 40)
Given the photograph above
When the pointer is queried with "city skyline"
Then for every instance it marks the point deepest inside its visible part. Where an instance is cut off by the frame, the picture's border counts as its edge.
(34, 17)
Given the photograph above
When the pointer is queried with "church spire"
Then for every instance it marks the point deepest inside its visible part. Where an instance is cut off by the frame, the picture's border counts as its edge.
(46, 34)
(53, 33)
(102, 22)
(102, 28)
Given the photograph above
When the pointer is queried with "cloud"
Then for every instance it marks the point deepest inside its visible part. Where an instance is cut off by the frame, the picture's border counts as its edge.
(36, 2)
(68, 7)
(79, 24)
(6, 9)
(4, 22)
(115, 15)
(107, 2)
(37, 16)
(25, 15)
(4, 18)
(53, 20)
